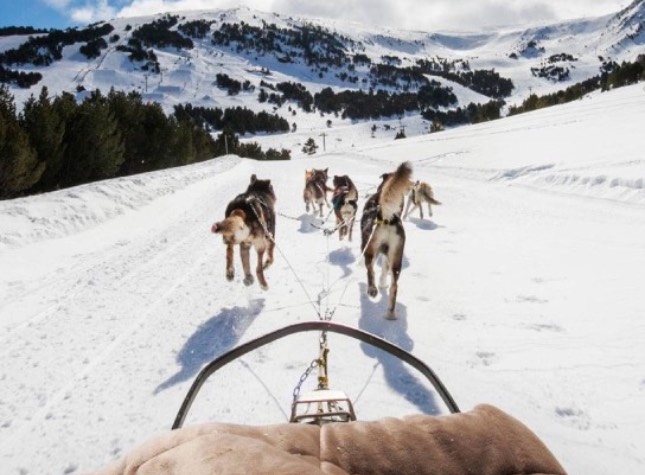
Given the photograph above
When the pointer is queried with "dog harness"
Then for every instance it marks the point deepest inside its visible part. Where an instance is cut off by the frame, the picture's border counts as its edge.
(387, 222)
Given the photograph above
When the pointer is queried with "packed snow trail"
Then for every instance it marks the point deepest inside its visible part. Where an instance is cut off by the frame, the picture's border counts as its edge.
(522, 291)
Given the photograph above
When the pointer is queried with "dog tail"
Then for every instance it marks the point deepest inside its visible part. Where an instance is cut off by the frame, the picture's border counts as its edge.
(229, 224)
(429, 195)
(394, 190)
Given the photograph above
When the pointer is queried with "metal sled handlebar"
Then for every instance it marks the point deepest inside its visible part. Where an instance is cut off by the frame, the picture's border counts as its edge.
(365, 337)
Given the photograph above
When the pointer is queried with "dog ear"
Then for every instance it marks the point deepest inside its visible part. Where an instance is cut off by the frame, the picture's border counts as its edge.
(253, 178)
(238, 212)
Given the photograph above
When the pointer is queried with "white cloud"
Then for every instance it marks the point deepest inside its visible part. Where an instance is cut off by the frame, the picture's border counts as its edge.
(375, 12)
(57, 4)
(450, 15)
(90, 13)
(437, 15)
(148, 7)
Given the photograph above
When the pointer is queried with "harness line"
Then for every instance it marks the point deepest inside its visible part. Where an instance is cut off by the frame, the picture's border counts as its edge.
(270, 236)
(321, 362)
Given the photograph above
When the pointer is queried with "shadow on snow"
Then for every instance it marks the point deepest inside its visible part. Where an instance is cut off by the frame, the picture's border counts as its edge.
(343, 258)
(310, 223)
(213, 338)
(397, 373)
(424, 224)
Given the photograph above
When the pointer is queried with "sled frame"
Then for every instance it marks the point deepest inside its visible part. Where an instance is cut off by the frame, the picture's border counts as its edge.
(322, 326)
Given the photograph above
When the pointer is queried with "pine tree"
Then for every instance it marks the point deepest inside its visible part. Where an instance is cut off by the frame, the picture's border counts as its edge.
(310, 146)
(46, 131)
(157, 135)
(183, 151)
(227, 142)
(19, 165)
(95, 147)
(203, 143)
(128, 112)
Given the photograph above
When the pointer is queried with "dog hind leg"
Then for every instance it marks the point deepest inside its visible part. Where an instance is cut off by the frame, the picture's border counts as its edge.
(394, 288)
(385, 268)
(407, 208)
(259, 269)
(414, 206)
(269, 260)
(372, 291)
(395, 258)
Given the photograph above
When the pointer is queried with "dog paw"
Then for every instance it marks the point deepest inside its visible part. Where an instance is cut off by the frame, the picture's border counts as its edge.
(230, 275)
(264, 286)
(248, 280)
(390, 315)
(372, 291)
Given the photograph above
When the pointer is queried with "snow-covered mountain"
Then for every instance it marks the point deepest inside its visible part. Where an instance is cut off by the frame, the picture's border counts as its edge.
(266, 49)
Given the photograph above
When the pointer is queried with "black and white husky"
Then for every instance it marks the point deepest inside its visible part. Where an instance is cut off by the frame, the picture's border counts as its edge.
(345, 202)
(250, 222)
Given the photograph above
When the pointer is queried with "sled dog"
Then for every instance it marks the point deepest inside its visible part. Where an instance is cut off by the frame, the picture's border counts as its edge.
(345, 203)
(382, 231)
(420, 193)
(250, 221)
(316, 189)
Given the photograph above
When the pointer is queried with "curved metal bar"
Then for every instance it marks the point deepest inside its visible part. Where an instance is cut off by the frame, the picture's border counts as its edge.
(321, 325)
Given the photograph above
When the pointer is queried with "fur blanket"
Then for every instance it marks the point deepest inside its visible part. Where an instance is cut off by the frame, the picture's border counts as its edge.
(484, 441)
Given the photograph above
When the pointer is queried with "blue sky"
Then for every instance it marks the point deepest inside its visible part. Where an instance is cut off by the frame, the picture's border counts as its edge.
(413, 14)
(34, 13)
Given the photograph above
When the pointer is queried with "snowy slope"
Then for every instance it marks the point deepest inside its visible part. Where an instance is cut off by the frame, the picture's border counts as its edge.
(524, 290)
(187, 76)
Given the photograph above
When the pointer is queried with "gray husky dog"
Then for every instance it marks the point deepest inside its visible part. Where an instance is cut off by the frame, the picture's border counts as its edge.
(420, 193)
(315, 192)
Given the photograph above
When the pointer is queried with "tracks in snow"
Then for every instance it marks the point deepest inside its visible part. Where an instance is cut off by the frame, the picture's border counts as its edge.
(64, 343)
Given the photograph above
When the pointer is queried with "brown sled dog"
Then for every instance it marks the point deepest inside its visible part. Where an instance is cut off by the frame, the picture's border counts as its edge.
(250, 221)
(382, 231)
(316, 189)
(420, 193)
(345, 203)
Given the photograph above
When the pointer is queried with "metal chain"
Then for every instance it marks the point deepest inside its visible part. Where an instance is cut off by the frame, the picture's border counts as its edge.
(313, 365)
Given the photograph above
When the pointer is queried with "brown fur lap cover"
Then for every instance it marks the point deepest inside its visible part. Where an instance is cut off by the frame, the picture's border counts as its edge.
(484, 441)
